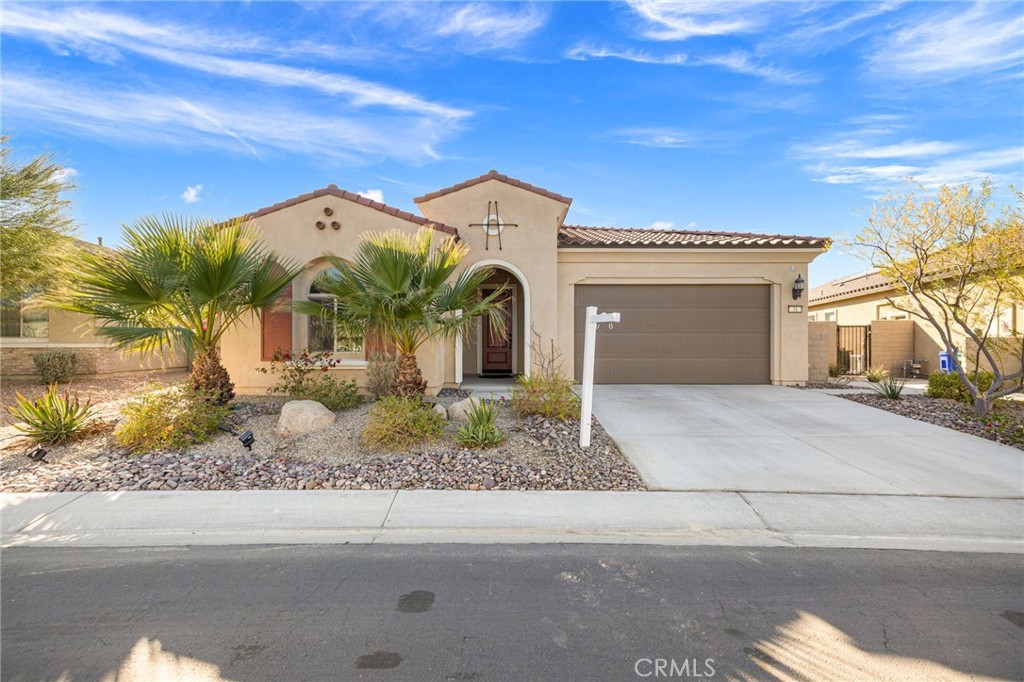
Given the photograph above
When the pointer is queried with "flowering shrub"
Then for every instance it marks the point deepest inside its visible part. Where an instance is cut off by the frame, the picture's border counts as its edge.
(303, 376)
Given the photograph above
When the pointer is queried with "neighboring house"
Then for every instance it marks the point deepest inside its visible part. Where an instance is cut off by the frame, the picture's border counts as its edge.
(863, 300)
(27, 329)
(697, 307)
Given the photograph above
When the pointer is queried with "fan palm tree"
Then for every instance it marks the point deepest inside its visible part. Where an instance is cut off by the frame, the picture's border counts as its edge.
(403, 289)
(181, 283)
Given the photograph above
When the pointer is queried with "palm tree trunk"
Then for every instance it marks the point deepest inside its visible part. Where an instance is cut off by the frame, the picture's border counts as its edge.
(210, 376)
(410, 380)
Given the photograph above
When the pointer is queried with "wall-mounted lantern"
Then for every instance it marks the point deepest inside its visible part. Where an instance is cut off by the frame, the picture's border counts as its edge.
(798, 287)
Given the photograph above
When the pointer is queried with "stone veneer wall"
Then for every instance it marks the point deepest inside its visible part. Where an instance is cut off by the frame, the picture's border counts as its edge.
(16, 361)
(822, 338)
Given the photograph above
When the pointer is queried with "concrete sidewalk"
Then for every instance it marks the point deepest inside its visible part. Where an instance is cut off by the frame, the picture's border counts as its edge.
(420, 516)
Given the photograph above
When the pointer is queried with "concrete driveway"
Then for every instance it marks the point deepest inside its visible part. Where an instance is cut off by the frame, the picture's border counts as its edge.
(777, 439)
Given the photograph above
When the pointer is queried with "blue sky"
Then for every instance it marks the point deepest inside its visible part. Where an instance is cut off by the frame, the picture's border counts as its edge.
(786, 117)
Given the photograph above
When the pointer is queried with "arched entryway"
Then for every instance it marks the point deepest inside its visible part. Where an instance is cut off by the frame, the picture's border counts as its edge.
(480, 353)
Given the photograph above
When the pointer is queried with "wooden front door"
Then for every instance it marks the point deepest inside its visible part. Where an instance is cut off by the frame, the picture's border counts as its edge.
(497, 350)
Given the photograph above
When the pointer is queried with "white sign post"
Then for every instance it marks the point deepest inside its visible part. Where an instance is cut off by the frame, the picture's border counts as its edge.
(589, 341)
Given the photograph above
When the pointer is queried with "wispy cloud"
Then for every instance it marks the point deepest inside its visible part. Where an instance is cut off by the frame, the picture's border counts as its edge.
(669, 225)
(116, 113)
(104, 35)
(736, 61)
(494, 25)
(191, 193)
(931, 163)
(109, 34)
(373, 195)
(983, 38)
(670, 138)
(65, 174)
(444, 27)
(685, 20)
(584, 52)
(855, 149)
(742, 62)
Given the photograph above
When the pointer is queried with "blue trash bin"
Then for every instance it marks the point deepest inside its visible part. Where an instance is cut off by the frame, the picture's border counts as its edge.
(945, 362)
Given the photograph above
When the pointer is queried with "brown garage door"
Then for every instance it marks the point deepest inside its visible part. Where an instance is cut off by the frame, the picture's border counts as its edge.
(678, 334)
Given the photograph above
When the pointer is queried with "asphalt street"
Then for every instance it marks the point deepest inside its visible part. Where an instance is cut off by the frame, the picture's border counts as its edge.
(487, 612)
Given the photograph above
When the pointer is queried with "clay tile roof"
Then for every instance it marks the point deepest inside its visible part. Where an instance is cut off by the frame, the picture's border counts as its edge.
(494, 175)
(578, 236)
(93, 247)
(335, 191)
(852, 285)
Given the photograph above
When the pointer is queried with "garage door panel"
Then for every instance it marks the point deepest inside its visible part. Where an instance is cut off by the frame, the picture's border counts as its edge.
(701, 334)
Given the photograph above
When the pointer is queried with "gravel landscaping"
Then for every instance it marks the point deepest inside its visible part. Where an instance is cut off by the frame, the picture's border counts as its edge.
(538, 454)
(955, 415)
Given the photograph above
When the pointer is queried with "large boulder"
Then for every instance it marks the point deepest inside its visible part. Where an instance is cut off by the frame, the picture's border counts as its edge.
(460, 411)
(299, 417)
(440, 409)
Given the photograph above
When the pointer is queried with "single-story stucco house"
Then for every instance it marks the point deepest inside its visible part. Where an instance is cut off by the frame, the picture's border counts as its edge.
(697, 307)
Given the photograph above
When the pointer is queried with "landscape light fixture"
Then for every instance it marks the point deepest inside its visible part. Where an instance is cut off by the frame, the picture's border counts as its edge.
(245, 438)
(37, 455)
(798, 287)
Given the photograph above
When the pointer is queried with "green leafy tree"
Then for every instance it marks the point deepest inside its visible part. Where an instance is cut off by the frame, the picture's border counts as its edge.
(180, 283)
(407, 290)
(35, 227)
(957, 264)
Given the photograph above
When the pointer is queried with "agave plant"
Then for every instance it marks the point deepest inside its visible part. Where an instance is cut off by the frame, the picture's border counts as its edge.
(891, 387)
(406, 290)
(52, 418)
(180, 283)
(481, 429)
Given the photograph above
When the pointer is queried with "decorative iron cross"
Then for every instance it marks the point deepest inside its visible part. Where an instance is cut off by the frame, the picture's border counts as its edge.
(493, 225)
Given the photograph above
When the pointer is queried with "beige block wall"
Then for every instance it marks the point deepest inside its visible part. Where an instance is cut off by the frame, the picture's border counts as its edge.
(927, 343)
(892, 343)
(821, 349)
(789, 352)
(16, 361)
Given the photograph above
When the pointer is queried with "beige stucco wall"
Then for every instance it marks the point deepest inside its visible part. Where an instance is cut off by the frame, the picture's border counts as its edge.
(529, 250)
(292, 233)
(789, 361)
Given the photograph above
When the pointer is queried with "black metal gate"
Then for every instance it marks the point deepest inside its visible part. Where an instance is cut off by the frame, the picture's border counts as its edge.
(853, 348)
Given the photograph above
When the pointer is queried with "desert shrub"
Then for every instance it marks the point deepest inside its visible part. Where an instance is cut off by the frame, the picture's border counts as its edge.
(398, 423)
(55, 366)
(548, 396)
(169, 419)
(546, 392)
(54, 417)
(481, 429)
(890, 387)
(304, 377)
(382, 375)
(949, 385)
(836, 370)
(876, 374)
